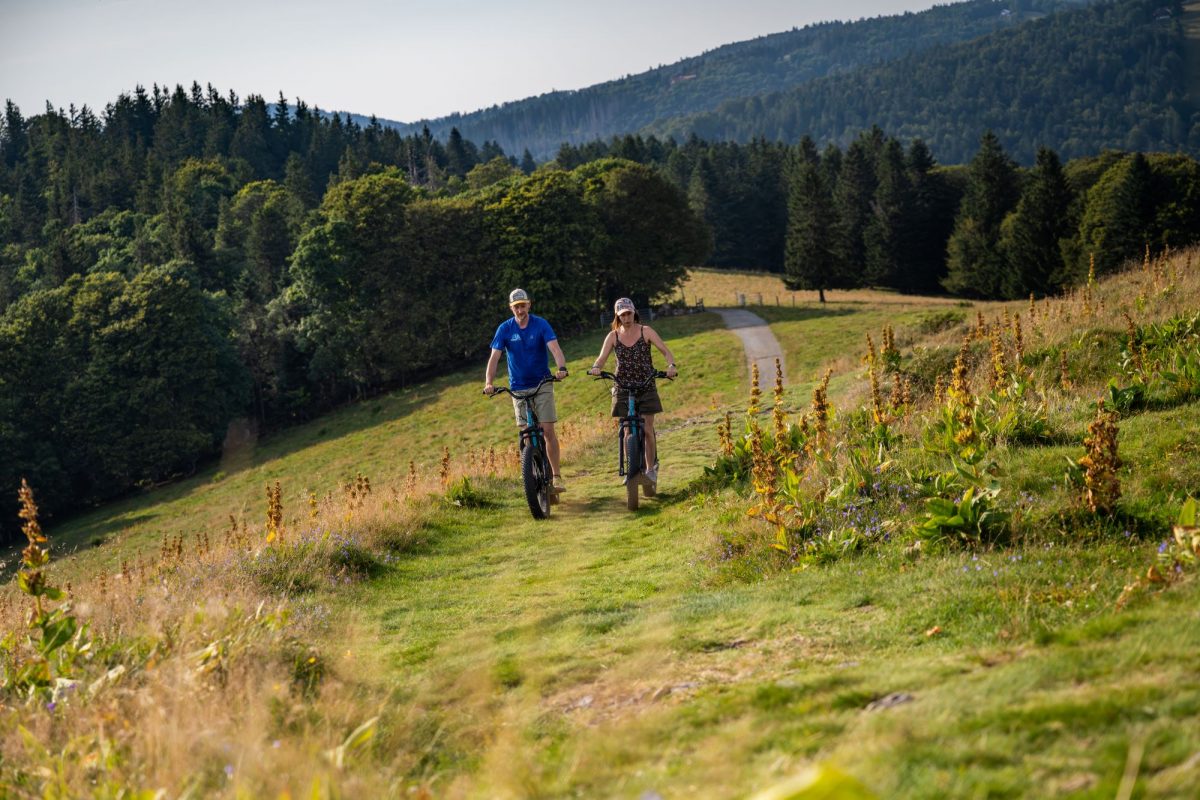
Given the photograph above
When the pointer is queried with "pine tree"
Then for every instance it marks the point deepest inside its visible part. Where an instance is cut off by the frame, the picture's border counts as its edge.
(889, 216)
(528, 165)
(852, 201)
(1033, 233)
(459, 159)
(1117, 214)
(975, 264)
(13, 140)
(923, 238)
(811, 259)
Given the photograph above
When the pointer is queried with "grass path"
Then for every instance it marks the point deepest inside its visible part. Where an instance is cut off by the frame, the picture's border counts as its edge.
(594, 655)
(604, 653)
(607, 654)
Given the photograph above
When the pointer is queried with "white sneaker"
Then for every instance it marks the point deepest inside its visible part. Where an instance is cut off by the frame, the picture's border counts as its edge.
(558, 484)
(652, 474)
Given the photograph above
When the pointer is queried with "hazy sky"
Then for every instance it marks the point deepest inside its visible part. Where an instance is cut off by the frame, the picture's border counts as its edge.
(398, 60)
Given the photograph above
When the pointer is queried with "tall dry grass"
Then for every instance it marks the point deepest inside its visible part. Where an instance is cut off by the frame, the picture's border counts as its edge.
(215, 667)
(723, 288)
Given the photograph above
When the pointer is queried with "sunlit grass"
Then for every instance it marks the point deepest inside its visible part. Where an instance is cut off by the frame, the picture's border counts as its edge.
(604, 653)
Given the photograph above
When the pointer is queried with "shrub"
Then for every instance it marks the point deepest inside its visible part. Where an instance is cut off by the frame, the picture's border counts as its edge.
(972, 519)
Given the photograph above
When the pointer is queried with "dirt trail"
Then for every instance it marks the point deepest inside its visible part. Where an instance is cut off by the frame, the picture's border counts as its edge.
(760, 344)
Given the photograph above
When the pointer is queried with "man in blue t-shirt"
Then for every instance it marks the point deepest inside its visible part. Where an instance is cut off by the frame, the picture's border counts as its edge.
(525, 339)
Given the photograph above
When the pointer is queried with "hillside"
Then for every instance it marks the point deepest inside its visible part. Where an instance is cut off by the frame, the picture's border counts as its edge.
(391, 632)
(767, 64)
(1109, 76)
(1191, 29)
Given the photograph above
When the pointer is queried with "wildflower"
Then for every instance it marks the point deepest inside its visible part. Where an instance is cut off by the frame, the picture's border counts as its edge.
(778, 417)
(999, 362)
(725, 435)
(818, 443)
(755, 391)
(1101, 486)
(274, 514)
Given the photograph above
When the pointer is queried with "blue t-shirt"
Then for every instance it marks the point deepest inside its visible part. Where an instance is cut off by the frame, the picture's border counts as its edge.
(526, 350)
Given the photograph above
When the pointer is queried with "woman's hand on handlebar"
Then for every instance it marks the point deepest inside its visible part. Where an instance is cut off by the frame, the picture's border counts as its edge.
(594, 371)
(671, 372)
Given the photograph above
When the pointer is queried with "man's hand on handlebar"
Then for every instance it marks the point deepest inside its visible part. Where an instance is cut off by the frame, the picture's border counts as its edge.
(489, 389)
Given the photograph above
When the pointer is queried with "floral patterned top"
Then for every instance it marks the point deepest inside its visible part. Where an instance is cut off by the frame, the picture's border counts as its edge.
(634, 365)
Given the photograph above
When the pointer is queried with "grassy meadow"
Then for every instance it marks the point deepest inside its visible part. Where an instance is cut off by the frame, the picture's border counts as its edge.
(397, 625)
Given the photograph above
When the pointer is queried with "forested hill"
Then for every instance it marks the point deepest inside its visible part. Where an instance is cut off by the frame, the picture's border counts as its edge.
(772, 63)
(1110, 75)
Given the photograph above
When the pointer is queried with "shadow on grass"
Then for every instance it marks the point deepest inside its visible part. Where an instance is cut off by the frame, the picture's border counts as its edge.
(93, 535)
(785, 314)
(1136, 520)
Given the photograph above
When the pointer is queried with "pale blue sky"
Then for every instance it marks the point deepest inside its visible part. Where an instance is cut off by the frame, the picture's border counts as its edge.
(398, 60)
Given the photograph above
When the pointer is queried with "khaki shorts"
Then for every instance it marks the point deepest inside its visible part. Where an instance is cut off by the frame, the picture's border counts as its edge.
(543, 406)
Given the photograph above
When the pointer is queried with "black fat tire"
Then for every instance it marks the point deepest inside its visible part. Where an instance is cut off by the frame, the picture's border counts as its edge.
(537, 481)
(633, 471)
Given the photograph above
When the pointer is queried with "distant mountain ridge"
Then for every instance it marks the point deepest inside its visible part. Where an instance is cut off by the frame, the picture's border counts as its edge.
(768, 64)
(1107, 76)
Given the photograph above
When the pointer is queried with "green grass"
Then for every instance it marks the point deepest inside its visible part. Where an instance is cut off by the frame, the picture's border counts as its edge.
(814, 338)
(610, 632)
(378, 438)
(608, 653)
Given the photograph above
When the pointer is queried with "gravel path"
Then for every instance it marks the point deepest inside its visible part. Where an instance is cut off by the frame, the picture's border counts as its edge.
(760, 344)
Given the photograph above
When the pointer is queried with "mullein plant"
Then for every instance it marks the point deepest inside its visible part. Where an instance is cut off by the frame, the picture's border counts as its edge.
(755, 392)
(980, 329)
(1018, 344)
(901, 399)
(1064, 373)
(725, 434)
(1097, 469)
(778, 415)
(57, 639)
(274, 512)
(889, 352)
(958, 424)
(881, 414)
(817, 444)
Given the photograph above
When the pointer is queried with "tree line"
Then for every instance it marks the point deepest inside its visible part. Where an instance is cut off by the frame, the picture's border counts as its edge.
(1110, 75)
(881, 212)
(876, 215)
(184, 260)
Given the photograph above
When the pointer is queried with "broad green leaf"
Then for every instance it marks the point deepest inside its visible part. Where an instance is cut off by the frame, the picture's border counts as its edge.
(57, 633)
(1188, 514)
(820, 782)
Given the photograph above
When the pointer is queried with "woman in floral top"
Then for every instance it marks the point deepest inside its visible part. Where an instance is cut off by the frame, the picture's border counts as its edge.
(631, 340)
